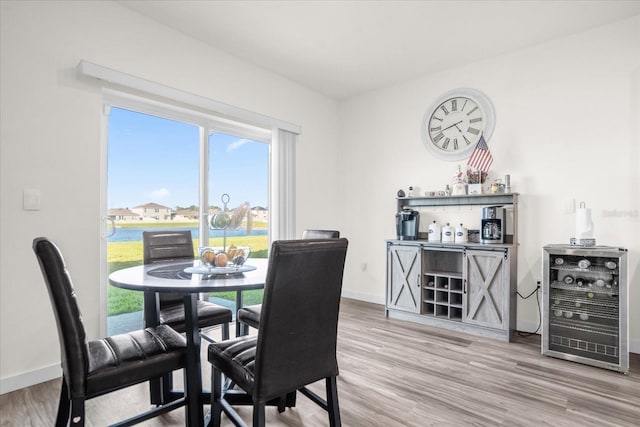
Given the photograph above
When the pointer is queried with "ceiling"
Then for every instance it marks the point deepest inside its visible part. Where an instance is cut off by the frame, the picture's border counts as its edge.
(345, 48)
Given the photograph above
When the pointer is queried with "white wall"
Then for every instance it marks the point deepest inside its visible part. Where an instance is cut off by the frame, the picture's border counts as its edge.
(568, 115)
(50, 140)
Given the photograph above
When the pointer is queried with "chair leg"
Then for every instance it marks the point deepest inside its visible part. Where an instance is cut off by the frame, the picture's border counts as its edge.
(77, 413)
(258, 415)
(225, 331)
(216, 394)
(167, 386)
(225, 334)
(244, 329)
(160, 389)
(332, 402)
(290, 400)
(63, 405)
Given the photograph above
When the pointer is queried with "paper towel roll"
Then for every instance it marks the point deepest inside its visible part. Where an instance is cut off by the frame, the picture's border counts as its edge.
(584, 224)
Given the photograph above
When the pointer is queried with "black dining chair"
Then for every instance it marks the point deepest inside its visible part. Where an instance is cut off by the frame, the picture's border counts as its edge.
(296, 342)
(95, 368)
(249, 316)
(170, 246)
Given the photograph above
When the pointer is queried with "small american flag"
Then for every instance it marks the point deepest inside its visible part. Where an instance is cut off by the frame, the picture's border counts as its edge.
(481, 157)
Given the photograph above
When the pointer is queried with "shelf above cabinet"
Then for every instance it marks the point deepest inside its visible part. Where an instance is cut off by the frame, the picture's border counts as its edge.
(481, 199)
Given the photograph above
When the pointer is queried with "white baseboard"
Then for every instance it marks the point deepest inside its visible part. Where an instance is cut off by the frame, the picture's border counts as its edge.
(374, 299)
(26, 379)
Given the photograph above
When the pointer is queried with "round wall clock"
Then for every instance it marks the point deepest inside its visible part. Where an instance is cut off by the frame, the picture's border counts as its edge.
(453, 124)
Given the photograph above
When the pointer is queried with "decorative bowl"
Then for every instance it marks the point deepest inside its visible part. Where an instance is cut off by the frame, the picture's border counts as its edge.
(216, 256)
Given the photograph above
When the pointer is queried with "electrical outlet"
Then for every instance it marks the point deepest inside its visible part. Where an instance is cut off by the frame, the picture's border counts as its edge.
(31, 199)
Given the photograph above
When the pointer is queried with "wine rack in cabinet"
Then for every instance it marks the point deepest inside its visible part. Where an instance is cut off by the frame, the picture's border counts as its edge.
(585, 306)
(442, 284)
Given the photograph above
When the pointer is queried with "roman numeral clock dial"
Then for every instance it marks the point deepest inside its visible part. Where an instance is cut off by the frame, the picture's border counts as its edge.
(452, 126)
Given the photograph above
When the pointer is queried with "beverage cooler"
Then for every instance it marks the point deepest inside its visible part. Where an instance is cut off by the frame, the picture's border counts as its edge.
(585, 309)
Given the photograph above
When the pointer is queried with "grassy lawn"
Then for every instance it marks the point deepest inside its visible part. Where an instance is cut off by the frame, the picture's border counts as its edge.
(129, 254)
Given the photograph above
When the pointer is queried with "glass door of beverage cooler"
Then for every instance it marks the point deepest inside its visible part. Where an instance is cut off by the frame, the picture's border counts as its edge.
(585, 305)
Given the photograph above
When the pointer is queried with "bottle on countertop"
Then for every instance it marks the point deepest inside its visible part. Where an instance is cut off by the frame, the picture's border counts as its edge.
(507, 183)
(448, 233)
(462, 234)
(434, 232)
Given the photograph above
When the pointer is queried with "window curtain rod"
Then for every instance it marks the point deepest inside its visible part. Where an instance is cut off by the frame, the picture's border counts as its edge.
(88, 69)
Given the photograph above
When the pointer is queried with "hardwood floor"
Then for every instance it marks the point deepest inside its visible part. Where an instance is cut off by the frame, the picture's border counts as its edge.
(394, 373)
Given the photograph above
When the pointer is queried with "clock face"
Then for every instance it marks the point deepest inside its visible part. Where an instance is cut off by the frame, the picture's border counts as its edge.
(453, 125)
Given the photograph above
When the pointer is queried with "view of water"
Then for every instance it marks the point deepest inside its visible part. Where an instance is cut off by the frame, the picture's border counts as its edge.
(135, 234)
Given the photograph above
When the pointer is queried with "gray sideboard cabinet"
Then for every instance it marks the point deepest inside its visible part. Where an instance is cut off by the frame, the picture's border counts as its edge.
(468, 287)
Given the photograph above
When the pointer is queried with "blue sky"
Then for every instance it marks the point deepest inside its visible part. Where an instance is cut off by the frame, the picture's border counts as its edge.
(153, 159)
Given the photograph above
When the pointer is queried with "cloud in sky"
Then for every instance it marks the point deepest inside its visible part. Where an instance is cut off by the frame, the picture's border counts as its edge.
(160, 193)
(237, 144)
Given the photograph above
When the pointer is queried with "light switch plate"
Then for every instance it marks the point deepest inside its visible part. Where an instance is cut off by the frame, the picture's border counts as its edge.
(31, 199)
(569, 206)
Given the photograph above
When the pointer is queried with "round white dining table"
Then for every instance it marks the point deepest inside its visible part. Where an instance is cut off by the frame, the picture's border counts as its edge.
(171, 278)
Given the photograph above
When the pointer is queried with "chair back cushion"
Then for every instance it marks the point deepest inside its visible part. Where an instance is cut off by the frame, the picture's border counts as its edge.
(167, 246)
(321, 234)
(71, 332)
(299, 320)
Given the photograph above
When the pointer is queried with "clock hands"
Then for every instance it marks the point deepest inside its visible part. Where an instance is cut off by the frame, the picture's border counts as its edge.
(455, 124)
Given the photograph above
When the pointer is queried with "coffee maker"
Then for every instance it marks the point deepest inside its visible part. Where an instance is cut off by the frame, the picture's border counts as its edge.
(407, 222)
(493, 225)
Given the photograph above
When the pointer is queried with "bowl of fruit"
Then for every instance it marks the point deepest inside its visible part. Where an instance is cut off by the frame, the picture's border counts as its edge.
(217, 256)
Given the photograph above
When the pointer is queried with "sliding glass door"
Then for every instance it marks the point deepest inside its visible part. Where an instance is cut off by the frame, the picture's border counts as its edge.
(169, 170)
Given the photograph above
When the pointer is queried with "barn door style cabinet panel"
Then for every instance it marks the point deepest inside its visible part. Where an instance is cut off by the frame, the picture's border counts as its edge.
(404, 278)
(469, 287)
(486, 288)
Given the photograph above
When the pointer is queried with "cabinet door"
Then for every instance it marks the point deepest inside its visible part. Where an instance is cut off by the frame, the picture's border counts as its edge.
(404, 268)
(486, 289)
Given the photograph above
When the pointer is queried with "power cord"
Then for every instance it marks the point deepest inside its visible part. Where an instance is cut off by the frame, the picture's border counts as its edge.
(535, 291)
